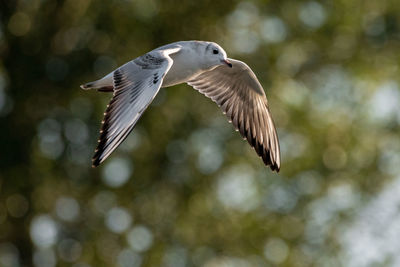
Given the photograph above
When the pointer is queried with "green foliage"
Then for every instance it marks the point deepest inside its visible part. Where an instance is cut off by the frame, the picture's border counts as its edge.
(184, 189)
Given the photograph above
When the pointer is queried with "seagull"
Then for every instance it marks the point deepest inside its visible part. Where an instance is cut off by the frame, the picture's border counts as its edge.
(230, 83)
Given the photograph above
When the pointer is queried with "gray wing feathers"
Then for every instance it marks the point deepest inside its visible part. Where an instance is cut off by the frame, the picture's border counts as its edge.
(241, 97)
(135, 85)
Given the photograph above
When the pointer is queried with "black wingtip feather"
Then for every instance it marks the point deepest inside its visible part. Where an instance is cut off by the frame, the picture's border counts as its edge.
(264, 153)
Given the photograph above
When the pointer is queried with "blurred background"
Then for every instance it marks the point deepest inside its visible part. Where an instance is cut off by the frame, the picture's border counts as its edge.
(184, 189)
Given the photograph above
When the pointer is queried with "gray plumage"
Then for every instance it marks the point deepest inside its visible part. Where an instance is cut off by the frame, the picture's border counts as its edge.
(204, 66)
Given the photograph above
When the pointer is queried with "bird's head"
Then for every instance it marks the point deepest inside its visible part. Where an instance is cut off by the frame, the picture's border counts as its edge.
(215, 55)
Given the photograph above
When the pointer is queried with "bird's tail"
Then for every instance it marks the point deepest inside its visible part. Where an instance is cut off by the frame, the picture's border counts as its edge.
(105, 84)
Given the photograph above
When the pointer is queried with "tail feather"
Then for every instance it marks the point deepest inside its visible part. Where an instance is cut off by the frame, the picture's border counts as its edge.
(87, 86)
(105, 84)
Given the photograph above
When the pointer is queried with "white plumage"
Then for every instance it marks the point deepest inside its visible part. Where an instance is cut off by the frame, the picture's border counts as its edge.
(203, 65)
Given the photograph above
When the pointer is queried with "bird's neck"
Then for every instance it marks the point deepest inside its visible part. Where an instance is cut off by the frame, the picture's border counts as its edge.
(184, 68)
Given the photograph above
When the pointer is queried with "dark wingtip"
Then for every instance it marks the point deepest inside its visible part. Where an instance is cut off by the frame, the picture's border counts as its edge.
(275, 167)
(267, 158)
(95, 162)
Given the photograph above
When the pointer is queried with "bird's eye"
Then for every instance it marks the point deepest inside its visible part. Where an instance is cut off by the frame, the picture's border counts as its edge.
(215, 51)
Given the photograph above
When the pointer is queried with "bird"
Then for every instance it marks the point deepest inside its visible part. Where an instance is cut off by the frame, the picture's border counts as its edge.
(203, 65)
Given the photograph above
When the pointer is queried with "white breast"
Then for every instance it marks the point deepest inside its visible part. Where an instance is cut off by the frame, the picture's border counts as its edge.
(186, 66)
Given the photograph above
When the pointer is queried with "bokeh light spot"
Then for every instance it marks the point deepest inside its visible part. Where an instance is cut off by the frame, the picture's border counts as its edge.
(140, 238)
(175, 257)
(237, 190)
(312, 14)
(129, 258)
(67, 208)
(273, 30)
(19, 24)
(117, 172)
(43, 231)
(384, 104)
(276, 250)
(76, 131)
(9, 255)
(118, 220)
(280, 198)
(209, 159)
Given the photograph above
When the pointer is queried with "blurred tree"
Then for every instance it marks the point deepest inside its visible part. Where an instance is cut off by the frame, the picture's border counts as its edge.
(183, 190)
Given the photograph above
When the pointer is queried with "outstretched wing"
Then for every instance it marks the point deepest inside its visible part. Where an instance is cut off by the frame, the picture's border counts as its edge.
(135, 85)
(241, 97)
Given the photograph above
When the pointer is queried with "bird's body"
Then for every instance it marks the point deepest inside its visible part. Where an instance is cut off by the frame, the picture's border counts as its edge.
(185, 66)
(203, 65)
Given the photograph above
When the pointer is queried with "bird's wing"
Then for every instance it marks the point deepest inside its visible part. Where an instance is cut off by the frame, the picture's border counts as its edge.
(241, 97)
(135, 85)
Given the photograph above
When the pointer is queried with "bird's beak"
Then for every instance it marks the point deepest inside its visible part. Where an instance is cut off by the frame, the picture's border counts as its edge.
(225, 61)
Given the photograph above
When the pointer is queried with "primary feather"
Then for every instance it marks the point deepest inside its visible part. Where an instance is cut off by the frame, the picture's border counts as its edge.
(203, 65)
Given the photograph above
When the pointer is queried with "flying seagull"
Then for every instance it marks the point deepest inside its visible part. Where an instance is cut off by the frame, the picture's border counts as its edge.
(230, 83)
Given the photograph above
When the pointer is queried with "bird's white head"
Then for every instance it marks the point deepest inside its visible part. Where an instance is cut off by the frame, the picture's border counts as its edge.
(215, 55)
